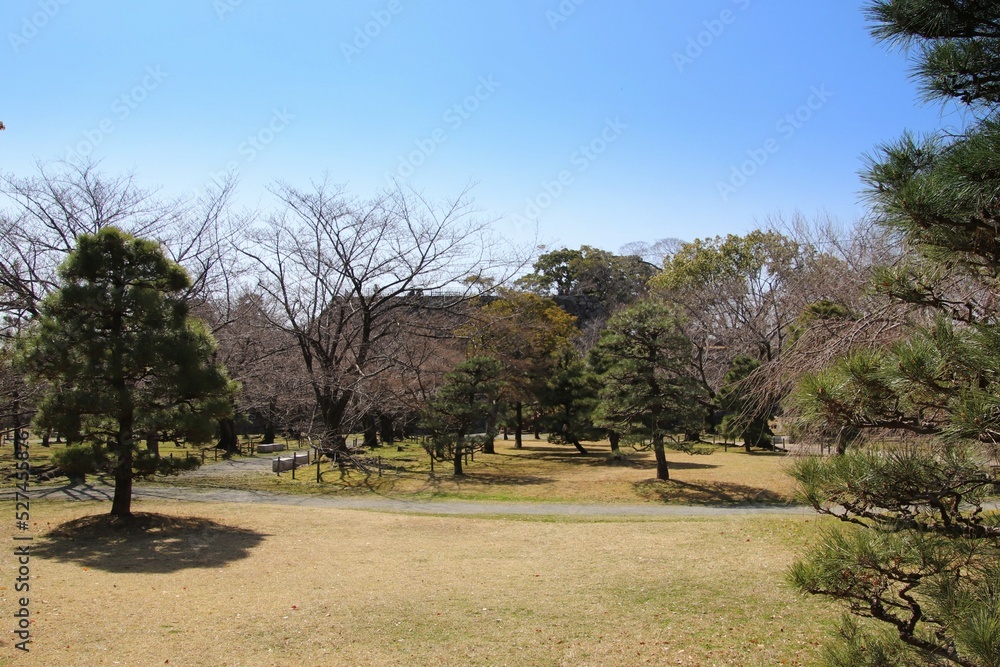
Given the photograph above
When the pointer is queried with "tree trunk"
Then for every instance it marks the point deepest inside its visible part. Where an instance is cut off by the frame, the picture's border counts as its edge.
(269, 431)
(615, 439)
(488, 446)
(153, 444)
(370, 431)
(17, 441)
(45, 439)
(16, 408)
(227, 436)
(579, 447)
(386, 429)
(662, 472)
(518, 425)
(333, 408)
(459, 451)
(121, 505)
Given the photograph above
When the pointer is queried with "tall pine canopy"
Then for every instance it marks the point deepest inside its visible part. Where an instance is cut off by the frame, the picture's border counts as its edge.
(920, 552)
(121, 355)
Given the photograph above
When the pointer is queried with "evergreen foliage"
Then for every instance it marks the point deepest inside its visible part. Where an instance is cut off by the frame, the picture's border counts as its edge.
(122, 355)
(647, 389)
(469, 398)
(919, 551)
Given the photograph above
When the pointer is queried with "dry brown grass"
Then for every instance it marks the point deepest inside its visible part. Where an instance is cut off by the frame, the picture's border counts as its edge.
(265, 585)
(551, 473)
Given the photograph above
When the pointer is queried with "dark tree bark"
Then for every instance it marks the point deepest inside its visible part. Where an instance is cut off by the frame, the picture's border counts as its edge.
(579, 447)
(153, 443)
(227, 436)
(269, 431)
(16, 409)
(662, 471)
(386, 429)
(489, 447)
(121, 505)
(370, 431)
(459, 451)
(518, 425)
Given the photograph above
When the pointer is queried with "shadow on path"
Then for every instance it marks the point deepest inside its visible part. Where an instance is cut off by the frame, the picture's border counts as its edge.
(149, 544)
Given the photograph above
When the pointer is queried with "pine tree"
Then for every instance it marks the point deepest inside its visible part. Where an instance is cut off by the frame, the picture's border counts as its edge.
(918, 552)
(647, 390)
(568, 399)
(468, 398)
(120, 353)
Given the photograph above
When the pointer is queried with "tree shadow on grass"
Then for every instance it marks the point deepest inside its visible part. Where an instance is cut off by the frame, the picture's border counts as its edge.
(564, 454)
(479, 479)
(650, 464)
(706, 493)
(148, 544)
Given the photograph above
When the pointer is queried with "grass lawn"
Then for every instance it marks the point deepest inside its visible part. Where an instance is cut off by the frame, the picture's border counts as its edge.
(267, 585)
(539, 472)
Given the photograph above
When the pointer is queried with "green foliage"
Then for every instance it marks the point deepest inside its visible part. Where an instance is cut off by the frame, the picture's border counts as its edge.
(942, 380)
(863, 646)
(526, 333)
(647, 389)
(568, 399)
(717, 262)
(924, 554)
(919, 552)
(746, 419)
(469, 397)
(78, 461)
(823, 309)
(120, 353)
(614, 280)
(148, 465)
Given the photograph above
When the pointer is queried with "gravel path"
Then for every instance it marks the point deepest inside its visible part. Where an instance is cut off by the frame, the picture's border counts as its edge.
(103, 492)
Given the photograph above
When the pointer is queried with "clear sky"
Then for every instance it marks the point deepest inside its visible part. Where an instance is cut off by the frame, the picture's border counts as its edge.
(603, 122)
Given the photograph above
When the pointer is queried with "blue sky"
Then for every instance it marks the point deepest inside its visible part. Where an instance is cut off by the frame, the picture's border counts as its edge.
(601, 123)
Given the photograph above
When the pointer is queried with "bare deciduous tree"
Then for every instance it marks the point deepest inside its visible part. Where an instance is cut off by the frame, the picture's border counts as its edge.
(352, 278)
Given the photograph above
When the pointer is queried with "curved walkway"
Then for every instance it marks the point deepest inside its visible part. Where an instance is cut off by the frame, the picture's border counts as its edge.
(100, 492)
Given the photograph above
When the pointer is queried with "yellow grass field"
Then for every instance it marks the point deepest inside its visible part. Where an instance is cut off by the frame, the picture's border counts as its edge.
(256, 585)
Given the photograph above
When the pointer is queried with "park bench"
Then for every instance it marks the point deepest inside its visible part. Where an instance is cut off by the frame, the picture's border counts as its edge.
(270, 448)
